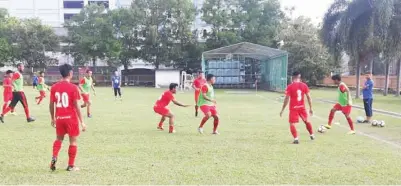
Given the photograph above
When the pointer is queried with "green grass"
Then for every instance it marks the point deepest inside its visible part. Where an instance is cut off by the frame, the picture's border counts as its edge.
(122, 146)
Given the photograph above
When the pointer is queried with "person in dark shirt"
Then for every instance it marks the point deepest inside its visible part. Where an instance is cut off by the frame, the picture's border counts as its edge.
(368, 97)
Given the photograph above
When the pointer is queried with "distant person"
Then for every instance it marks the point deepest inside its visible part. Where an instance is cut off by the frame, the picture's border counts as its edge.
(41, 86)
(8, 90)
(35, 81)
(344, 104)
(18, 94)
(86, 85)
(368, 97)
(207, 104)
(197, 85)
(116, 84)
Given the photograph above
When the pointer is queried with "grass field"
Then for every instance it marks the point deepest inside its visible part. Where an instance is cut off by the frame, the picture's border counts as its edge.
(122, 145)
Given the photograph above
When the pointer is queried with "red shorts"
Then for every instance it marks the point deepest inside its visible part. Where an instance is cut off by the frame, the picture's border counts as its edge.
(85, 97)
(7, 97)
(197, 93)
(206, 109)
(296, 114)
(344, 109)
(42, 93)
(68, 126)
(162, 110)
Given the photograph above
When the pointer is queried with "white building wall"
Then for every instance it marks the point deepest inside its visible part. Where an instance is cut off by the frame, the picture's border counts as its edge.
(163, 78)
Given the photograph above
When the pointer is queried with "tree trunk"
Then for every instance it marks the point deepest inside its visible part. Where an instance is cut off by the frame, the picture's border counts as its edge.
(386, 82)
(397, 93)
(371, 62)
(94, 64)
(358, 78)
(125, 63)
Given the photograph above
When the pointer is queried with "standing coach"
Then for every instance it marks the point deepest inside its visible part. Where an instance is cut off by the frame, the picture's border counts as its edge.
(368, 97)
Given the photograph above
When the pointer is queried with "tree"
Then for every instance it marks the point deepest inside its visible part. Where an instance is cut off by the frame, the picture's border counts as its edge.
(31, 41)
(363, 29)
(91, 33)
(306, 52)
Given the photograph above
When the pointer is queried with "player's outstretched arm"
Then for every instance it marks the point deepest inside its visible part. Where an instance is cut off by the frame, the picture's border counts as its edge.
(309, 98)
(179, 104)
(51, 109)
(286, 100)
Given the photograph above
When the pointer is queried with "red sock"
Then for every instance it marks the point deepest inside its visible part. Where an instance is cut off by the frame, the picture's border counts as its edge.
(56, 148)
(204, 120)
(350, 122)
(215, 124)
(331, 117)
(161, 124)
(72, 152)
(5, 111)
(309, 127)
(171, 129)
(5, 105)
(26, 109)
(293, 130)
(40, 100)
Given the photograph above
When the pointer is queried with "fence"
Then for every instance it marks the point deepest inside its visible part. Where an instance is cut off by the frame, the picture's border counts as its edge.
(351, 81)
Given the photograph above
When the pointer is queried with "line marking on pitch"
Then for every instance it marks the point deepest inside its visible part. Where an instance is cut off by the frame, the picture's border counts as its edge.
(396, 145)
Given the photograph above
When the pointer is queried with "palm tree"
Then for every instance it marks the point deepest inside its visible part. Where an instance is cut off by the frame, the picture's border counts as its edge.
(362, 29)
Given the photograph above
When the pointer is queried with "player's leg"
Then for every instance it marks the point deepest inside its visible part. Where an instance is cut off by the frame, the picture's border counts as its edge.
(72, 153)
(11, 106)
(24, 103)
(207, 114)
(367, 103)
(170, 122)
(304, 116)
(347, 111)
(215, 116)
(293, 119)
(88, 108)
(42, 96)
(160, 126)
(84, 98)
(56, 149)
(196, 103)
(336, 108)
(119, 92)
(115, 93)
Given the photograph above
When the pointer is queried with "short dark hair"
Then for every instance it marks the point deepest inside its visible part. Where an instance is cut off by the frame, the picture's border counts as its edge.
(65, 70)
(173, 86)
(9, 71)
(87, 71)
(41, 72)
(209, 77)
(19, 64)
(336, 77)
(200, 71)
(296, 73)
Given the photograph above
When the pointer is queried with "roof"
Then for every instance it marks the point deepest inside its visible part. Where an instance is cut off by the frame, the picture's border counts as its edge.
(245, 49)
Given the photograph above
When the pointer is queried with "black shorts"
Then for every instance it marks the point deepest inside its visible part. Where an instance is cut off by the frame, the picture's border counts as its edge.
(34, 85)
(19, 97)
(117, 91)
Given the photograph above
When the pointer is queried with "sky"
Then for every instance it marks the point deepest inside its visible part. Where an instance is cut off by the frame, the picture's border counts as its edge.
(314, 9)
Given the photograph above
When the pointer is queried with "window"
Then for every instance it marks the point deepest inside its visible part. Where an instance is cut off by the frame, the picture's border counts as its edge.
(68, 16)
(73, 4)
(104, 3)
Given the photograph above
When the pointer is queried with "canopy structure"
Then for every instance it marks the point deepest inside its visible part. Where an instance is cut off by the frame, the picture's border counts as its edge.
(247, 65)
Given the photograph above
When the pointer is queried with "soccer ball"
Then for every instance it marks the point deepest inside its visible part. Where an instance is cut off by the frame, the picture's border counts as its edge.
(381, 124)
(375, 123)
(321, 129)
(360, 119)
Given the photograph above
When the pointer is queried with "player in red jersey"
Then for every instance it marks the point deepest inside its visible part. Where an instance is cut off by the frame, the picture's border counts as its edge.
(295, 93)
(8, 90)
(65, 116)
(197, 85)
(161, 107)
(41, 86)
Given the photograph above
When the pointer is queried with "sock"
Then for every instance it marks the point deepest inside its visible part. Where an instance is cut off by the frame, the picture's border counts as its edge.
(331, 117)
(204, 120)
(5, 105)
(196, 108)
(309, 127)
(26, 109)
(72, 152)
(171, 129)
(40, 99)
(215, 124)
(293, 130)
(12, 110)
(56, 148)
(161, 124)
(350, 122)
(5, 111)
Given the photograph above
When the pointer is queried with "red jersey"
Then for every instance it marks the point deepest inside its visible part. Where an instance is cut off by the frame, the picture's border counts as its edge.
(165, 99)
(7, 84)
(199, 82)
(296, 91)
(63, 94)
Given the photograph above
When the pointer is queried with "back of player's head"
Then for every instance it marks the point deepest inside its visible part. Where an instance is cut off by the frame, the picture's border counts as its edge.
(296, 74)
(336, 77)
(173, 86)
(65, 70)
(200, 72)
(9, 72)
(41, 72)
(19, 64)
(88, 71)
(209, 77)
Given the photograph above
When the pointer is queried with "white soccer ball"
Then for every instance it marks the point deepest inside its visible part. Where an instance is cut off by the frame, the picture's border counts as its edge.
(321, 129)
(382, 124)
(360, 119)
(375, 123)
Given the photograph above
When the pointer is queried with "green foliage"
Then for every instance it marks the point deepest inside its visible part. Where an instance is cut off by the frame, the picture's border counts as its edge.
(306, 52)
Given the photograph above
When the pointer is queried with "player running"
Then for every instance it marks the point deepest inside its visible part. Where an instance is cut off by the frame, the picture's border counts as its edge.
(295, 94)
(344, 103)
(65, 116)
(8, 90)
(161, 107)
(41, 86)
(197, 85)
(85, 85)
(116, 84)
(207, 104)
(18, 95)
